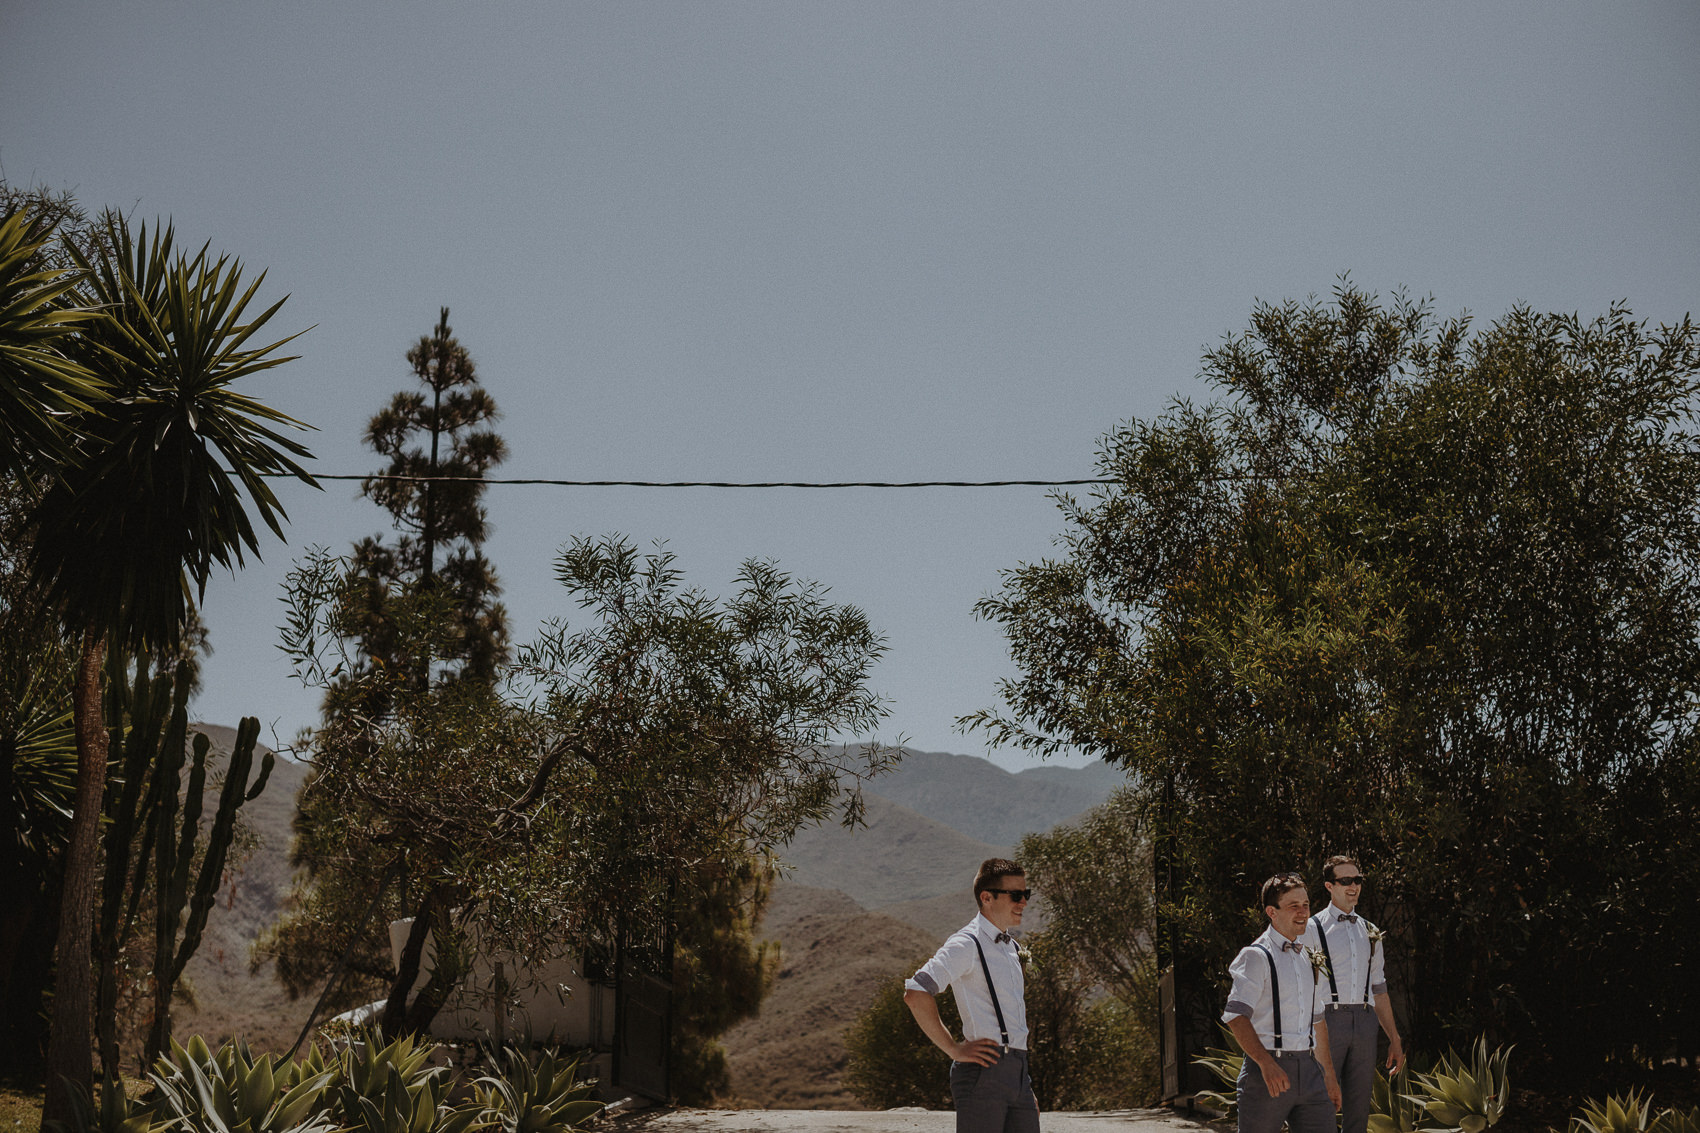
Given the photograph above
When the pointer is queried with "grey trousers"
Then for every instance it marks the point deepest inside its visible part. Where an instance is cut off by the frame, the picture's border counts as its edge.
(1352, 1031)
(996, 1098)
(1303, 1105)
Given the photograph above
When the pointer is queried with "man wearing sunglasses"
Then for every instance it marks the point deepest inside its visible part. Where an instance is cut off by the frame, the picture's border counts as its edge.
(980, 963)
(1356, 989)
(1275, 1012)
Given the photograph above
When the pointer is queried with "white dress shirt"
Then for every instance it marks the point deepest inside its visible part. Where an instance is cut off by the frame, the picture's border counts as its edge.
(1302, 993)
(1349, 957)
(956, 965)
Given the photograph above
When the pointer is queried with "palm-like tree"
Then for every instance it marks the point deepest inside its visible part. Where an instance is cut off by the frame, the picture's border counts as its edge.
(157, 493)
(39, 383)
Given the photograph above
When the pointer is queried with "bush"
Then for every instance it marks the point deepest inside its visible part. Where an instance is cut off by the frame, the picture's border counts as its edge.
(891, 1062)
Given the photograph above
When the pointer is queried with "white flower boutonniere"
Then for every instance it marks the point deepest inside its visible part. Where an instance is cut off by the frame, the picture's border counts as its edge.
(1023, 955)
(1375, 936)
(1318, 963)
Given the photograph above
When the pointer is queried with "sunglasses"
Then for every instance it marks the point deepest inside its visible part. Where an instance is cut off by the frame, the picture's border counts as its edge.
(1014, 894)
(1357, 880)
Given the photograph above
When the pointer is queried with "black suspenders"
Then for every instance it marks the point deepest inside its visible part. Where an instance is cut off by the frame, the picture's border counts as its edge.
(1333, 989)
(1274, 992)
(1003, 1030)
(1275, 996)
(1322, 935)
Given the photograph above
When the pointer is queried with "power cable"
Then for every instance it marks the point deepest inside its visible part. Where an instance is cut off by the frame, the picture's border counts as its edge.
(715, 483)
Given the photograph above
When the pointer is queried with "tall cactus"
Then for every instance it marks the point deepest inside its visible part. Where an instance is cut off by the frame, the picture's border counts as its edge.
(153, 829)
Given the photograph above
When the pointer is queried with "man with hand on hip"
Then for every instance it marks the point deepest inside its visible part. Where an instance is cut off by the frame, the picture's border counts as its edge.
(1356, 990)
(1275, 1010)
(981, 963)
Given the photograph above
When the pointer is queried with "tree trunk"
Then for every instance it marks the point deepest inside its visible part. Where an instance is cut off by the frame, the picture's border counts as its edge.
(69, 1053)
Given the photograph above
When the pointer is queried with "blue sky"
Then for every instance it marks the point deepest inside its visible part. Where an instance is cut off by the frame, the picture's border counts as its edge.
(808, 241)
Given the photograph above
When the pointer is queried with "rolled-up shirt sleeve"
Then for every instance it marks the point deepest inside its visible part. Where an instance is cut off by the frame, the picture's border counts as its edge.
(948, 963)
(1249, 981)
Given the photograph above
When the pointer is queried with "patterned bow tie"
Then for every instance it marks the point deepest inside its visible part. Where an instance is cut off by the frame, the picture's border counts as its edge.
(1002, 938)
(1349, 918)
(1291, 946)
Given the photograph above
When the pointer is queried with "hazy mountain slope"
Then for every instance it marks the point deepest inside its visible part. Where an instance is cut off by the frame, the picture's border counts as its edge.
(982, 800)
(898, 856)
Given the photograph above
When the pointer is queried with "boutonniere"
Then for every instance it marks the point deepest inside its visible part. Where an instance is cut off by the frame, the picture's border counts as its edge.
(1023, 955)
(1318, 963)
(1375, 936)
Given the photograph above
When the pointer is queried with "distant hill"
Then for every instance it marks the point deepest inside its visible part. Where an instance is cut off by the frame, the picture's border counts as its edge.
(898, 856)
(980, 799)
(834, 955)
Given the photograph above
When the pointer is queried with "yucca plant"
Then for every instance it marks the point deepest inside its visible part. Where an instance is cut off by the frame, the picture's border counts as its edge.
(537, 1093)
(1225, 1064)
(117, 1112)
(1468, 1098)
(234, 1092)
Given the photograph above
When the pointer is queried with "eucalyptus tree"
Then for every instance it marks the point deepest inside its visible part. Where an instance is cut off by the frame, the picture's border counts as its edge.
(162, 485)
(632, 777)
(1421, 591)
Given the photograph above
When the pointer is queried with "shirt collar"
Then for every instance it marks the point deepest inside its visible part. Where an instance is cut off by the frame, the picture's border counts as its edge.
(989, 930)
(1335, 912)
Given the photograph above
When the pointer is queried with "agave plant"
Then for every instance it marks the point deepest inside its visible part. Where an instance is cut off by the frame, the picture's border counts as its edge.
(540, 1093)
(1629, 1114)
(394, 1089)
(1468, 1098)
(1225, 1064)
(1392, 1109)
(234, 1092)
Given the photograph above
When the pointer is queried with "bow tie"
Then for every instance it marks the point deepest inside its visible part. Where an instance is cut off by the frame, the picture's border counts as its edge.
(1002, 938)
(1291, 946)
(1349, 918)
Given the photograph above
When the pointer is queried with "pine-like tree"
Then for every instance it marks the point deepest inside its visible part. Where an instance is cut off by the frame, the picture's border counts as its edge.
(439, 449)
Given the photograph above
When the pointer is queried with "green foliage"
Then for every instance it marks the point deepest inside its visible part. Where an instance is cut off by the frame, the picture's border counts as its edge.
(1453, 567)
(1091, 988)
(116, 1112)
(721, 973)
(537, 1092)
(38, 767)
(891, 1063)
(1466, 1097)
(628, 770)
(1088, 1050)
